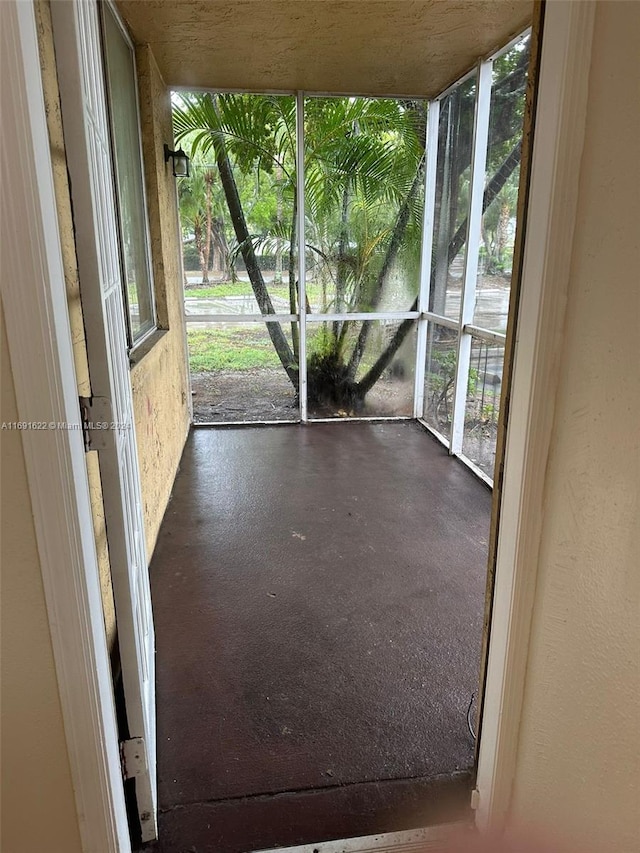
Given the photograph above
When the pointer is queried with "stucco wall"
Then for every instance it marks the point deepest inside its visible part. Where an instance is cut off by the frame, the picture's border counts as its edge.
(38, 808)
(579, 752)
(160, 380)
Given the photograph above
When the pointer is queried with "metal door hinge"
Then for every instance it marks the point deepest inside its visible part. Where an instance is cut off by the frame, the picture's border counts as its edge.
(133, 757)
(475, 799)
(95, 417)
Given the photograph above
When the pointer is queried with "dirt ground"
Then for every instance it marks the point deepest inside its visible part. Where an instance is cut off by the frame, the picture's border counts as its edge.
(249, 395)
(267, 395)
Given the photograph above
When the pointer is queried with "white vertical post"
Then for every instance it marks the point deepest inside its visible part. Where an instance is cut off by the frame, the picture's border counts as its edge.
(468, 298)
(302, 272)
(426, 251)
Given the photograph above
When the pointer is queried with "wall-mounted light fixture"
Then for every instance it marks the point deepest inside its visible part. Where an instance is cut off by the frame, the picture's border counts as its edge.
(179, 162)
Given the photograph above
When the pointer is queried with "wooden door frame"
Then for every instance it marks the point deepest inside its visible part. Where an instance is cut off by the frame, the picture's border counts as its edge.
(39, 342)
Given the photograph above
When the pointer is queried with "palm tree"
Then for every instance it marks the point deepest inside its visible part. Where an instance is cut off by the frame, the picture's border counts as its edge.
(202, 218)
(364, 172)
(195, 221)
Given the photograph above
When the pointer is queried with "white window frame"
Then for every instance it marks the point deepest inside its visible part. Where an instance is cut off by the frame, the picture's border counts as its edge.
(134, 342)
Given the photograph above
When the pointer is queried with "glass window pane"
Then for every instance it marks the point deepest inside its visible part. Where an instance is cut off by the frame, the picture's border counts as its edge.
(123, 107)
(455, 137)
(364, 187)
(439, 378)
(483, 404)
(501, 185)
(381, 381)
(245, 222)
(236, 374)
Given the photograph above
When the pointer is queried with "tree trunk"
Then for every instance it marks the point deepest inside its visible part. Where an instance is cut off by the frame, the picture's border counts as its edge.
(277, 276)
(440, 273)
(342, 266)
(392, 253)
(207, 227)
(221, 247)
(293, 305)
(385, 359)
(243, 237)
(199, 241)
(502, 235)
(493, 188)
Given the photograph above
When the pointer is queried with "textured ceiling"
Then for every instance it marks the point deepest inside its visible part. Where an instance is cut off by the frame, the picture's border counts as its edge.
(402, 47)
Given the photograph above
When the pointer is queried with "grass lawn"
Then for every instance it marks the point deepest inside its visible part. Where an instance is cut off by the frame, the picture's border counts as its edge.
(249, 347)
(224, 288)
(243, 288)
(231, 348)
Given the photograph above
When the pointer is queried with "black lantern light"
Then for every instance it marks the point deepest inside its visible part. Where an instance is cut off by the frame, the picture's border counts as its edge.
(179, 162)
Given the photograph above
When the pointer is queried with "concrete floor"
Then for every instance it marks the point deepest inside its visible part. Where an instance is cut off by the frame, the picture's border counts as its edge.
(318, 597)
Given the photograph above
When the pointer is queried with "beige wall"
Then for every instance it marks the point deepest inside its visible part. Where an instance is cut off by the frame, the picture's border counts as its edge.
(160, 381)
(38, 809)
(579, 752)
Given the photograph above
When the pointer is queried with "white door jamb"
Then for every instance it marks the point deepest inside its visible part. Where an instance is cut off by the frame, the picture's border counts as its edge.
(39, 339)
(557, 149)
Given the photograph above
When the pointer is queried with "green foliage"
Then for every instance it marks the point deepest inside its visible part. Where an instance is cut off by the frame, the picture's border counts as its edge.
(230, 349)
(224, 288)
(322, 342)
(441, 379)
(361, 159)
(489, 412)
(506, 117)
(241, 288)
(364, 176)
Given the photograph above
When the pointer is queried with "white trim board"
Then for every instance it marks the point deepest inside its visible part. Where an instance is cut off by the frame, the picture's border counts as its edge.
(39, 339)
(557, 149)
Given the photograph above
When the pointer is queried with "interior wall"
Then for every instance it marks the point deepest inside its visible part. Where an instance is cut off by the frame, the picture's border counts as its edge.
(38, 806)
(578, 767)
(72, 284)
(160, 380)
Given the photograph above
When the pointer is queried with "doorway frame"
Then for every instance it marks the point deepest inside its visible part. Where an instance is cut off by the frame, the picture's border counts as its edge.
(38, 334)
(40, 347)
